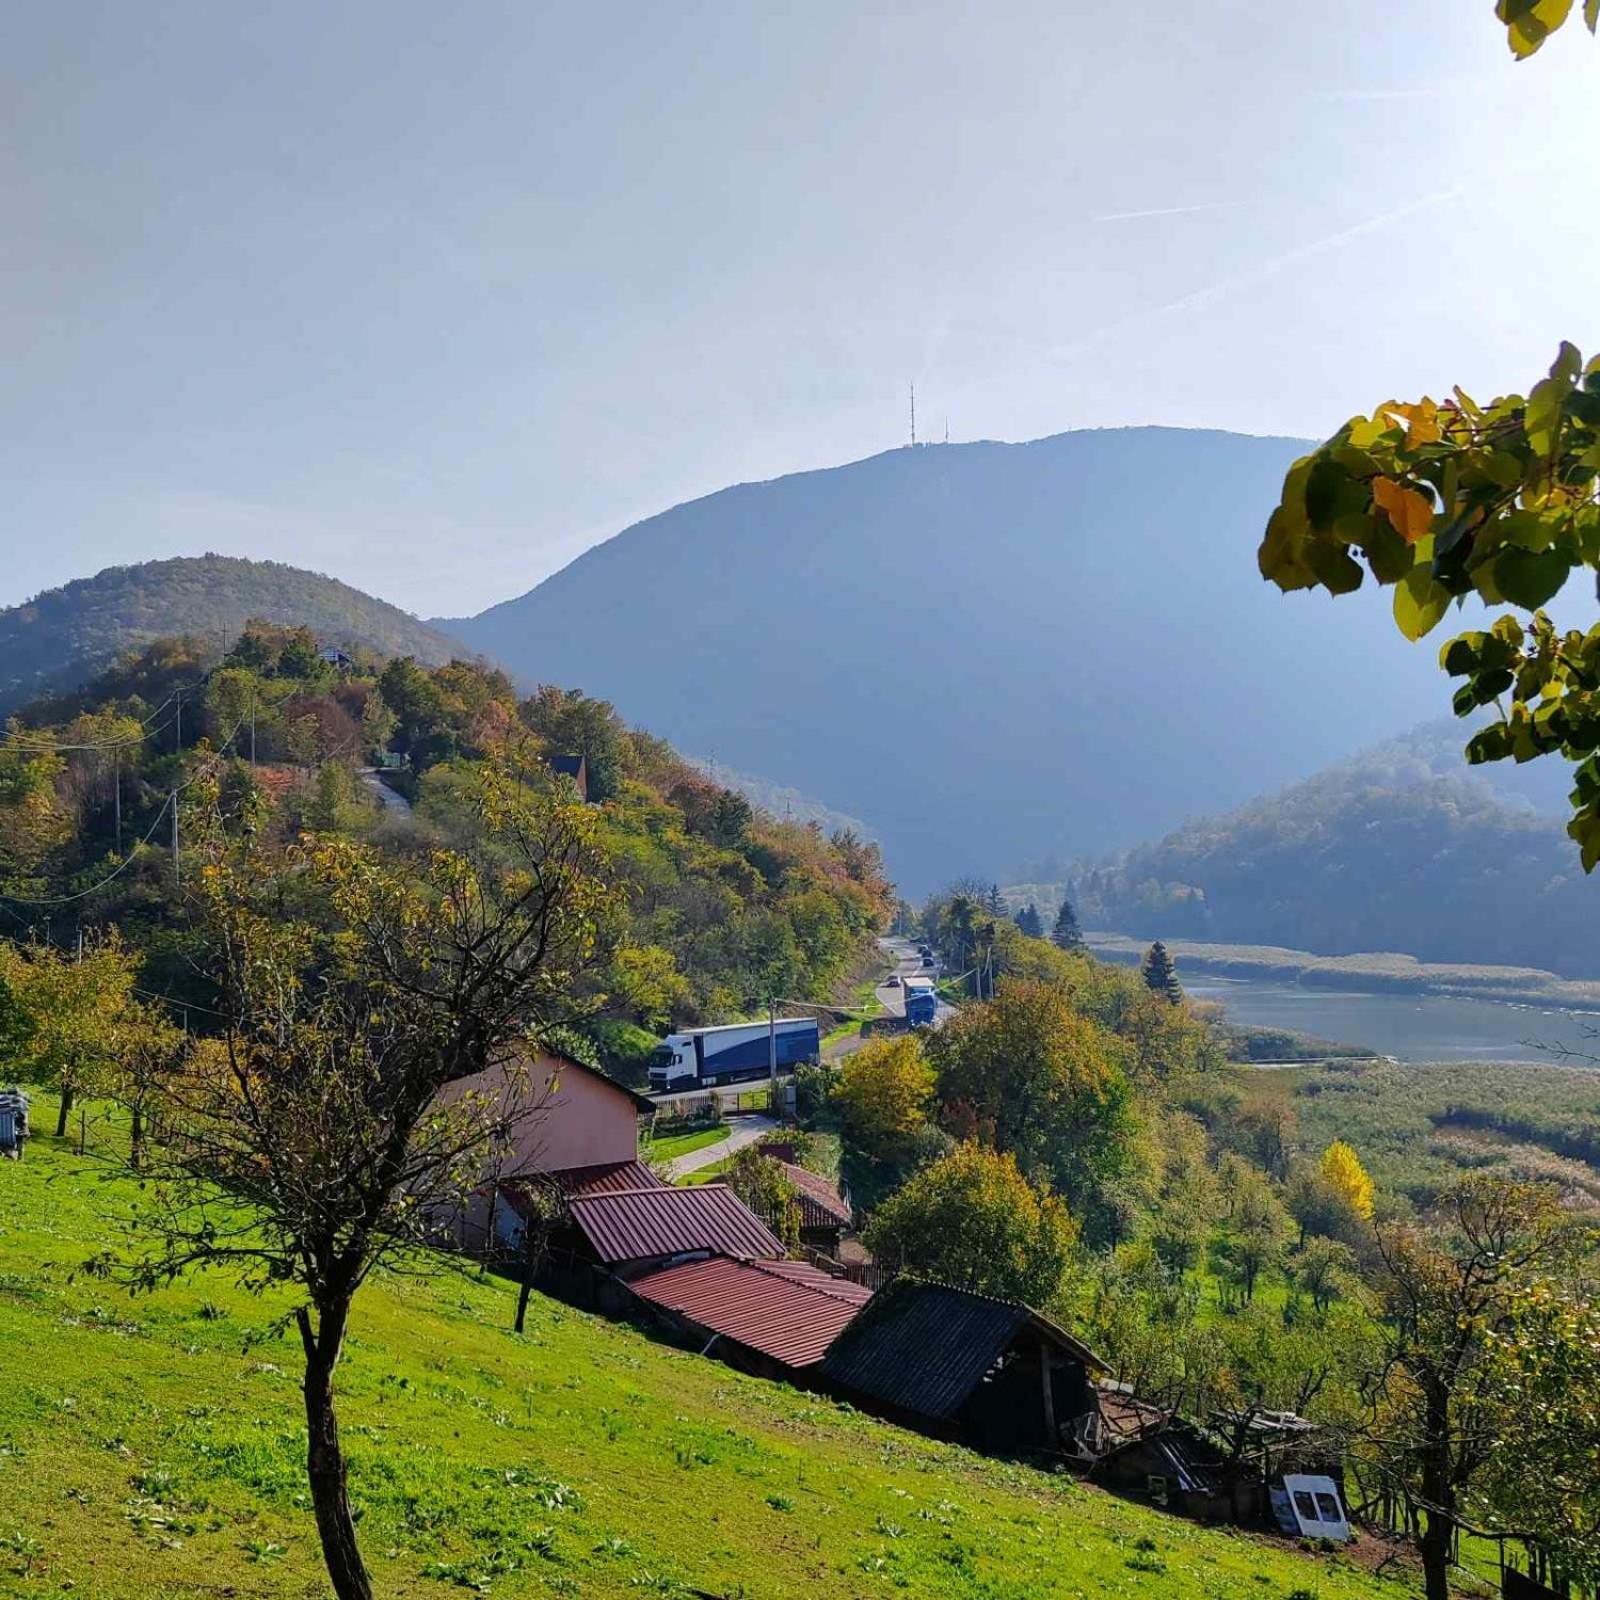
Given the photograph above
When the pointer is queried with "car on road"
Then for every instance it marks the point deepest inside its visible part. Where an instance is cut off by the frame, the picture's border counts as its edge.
(892, 981)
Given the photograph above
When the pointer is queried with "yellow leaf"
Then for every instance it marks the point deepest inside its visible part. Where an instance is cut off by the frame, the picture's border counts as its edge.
(1422, 422)
(1410, 513)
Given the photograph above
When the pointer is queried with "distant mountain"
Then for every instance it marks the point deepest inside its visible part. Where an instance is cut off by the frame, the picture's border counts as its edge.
(62, 637)
(987, 651)
(1398, 848)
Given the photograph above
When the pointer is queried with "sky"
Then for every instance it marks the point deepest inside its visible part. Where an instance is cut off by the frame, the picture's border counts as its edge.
(433, 297)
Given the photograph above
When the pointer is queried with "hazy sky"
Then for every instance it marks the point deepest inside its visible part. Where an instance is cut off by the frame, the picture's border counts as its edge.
(432, 296)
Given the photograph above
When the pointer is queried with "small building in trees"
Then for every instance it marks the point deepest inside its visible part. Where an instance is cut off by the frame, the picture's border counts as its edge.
(991, 1373)
(1224, 1471)
(575, 767)
(825, 1216)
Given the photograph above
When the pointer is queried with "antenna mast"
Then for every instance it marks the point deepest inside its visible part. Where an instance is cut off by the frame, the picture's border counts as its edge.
(913, 413)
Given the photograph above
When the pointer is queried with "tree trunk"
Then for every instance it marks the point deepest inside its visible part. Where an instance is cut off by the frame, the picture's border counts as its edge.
(1438, 1494)
(135, 1138)
(325, 1468)
(66, 1110)
(1434, 1547)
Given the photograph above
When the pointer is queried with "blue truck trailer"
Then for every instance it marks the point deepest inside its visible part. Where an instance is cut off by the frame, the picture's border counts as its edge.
(702, 1058)
(922, 1002)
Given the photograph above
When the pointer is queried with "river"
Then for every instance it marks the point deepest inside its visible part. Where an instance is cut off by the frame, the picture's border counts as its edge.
(1411, 1027)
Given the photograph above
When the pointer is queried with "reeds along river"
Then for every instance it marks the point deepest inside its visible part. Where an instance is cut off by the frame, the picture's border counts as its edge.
(1411, 1027)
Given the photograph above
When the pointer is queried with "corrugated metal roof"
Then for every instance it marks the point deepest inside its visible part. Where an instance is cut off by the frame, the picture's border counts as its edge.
(785, 1309)
(607, 1177)
(924, 1347)
(820, 1204)
(634, 1224)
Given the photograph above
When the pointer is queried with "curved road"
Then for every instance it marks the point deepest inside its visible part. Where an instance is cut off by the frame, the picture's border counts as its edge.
(744, 1131)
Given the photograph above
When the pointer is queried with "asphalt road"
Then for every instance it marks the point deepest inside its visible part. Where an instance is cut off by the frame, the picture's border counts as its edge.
(905, 963)
(743, 1131)
(388, 798)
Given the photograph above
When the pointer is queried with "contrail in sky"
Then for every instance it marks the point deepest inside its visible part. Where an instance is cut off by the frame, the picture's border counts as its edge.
(1212, 291)
(1169, 211)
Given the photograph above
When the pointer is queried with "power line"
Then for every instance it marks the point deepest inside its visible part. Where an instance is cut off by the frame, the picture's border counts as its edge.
(182, 1005)
(43, 747)
(34, 740)
(83, 894)
(111, 877)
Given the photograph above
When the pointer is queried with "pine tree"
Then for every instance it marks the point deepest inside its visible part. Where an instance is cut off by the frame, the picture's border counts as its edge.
(1028, 921)
(1066, 931)
(995, 902)
(1160, 974)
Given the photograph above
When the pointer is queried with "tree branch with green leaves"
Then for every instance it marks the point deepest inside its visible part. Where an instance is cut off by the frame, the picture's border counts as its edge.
(1446, 500)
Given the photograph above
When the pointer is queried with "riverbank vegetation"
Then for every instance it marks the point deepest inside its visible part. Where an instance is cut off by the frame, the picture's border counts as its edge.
(1372, 971)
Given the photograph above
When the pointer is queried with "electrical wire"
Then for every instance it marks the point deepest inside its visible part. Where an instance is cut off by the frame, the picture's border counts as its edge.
(25, 738)
(83, 894)
(111, 877)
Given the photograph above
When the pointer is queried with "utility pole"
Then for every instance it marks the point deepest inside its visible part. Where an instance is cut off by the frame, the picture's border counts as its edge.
(252, 727)
(116, 794)
(913, 414)
(772, 1055)
(177, 736)
(177, 866)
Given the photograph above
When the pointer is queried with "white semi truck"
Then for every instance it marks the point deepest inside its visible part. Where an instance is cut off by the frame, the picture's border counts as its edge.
(705, 1057)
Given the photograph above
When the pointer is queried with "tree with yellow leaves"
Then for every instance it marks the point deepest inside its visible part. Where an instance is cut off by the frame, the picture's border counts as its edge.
(1347, 1179)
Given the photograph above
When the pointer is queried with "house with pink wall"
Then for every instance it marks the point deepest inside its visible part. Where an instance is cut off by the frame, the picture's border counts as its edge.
(568, 1123)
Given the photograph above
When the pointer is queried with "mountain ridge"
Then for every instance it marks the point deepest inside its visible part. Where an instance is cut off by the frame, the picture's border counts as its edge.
(874, 629)
(1400, 847)
(60, 638)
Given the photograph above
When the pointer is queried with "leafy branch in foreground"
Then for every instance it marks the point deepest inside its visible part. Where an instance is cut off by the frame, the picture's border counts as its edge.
(1449, 499)
(1530, 22)
(372, 1067)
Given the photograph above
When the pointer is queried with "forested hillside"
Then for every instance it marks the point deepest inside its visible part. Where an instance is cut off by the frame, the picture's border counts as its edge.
(720, 904)
(62, 637)
(1399, 848)
(987, 651)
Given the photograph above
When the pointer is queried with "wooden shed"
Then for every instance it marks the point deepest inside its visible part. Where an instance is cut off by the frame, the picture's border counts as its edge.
(992, 1373)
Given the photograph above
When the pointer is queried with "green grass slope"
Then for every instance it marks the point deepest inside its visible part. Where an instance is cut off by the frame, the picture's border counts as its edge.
(146, 1451)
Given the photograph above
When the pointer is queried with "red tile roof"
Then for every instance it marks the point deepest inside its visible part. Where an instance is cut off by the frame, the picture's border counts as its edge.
(634, 1224)
(785, 1309)
(820, 1204)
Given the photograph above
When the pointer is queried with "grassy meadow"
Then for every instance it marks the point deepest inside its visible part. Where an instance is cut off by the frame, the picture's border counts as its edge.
(149, 1450)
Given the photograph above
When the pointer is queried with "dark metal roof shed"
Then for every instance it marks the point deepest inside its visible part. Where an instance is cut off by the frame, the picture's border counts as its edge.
(924, 1347)
(638, 1224)
(820, 1203)
(784, 1309)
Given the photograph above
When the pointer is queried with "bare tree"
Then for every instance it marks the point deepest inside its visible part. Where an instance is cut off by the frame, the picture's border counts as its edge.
(328, 1130)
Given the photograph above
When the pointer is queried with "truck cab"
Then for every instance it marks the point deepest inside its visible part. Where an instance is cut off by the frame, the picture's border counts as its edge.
(673, 1064)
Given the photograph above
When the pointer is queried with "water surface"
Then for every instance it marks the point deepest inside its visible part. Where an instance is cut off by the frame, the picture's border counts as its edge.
(1411, 1027)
